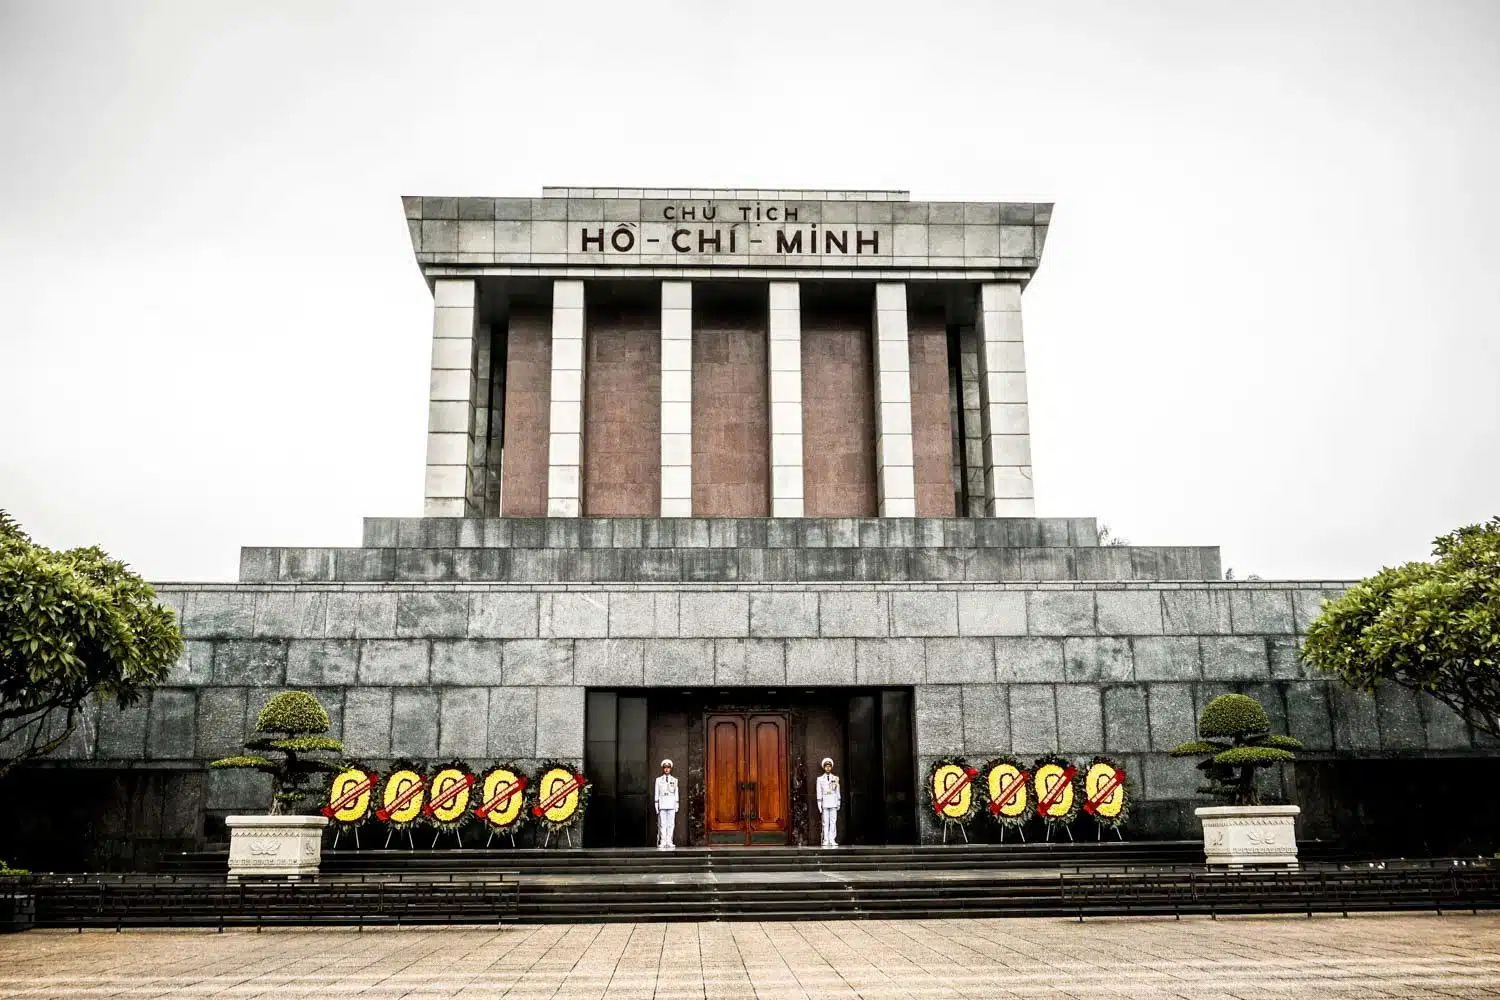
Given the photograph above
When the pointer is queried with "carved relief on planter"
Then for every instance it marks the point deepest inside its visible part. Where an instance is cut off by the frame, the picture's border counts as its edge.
(290, 846)
(1249, 835)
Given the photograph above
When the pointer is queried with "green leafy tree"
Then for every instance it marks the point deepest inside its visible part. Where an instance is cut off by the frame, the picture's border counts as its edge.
(75, 627)
(1235, 741)
(291, 730)
(1432, 627)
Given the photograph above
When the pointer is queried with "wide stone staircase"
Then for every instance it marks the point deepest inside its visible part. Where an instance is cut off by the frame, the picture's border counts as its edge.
(1076, 880)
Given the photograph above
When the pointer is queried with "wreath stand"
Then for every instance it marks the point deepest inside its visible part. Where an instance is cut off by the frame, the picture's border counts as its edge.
(339, 832)
(458, 835)
(1019, 829)
(567, 832)
(1099, 832)
(1066, 826)
(509, 831)
(410, 843)
(961, 829)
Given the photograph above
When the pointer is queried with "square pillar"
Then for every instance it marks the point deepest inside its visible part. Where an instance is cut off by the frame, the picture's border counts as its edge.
(449, 480)
(676, 399)
(784, 329)
(494, 432)
(565, 438)
(895, 467)
(479, 472)
(1002, 386)
(973, 423)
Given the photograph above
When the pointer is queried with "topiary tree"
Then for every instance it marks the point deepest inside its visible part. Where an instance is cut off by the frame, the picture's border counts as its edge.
(1431, 627)
(75, 627)
(1235, 741)
(291, 727)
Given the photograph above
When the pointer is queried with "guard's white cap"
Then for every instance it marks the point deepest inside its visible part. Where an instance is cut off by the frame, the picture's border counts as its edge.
(826, 760)
(667, 762)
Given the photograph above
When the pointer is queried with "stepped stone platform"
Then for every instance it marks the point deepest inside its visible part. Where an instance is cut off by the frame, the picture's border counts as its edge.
(709, 862)
(611, 885)
(684, 550)
(481, 639)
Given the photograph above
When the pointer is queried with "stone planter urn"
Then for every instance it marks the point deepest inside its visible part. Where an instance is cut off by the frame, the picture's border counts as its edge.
(1249, 835)
(289, 846)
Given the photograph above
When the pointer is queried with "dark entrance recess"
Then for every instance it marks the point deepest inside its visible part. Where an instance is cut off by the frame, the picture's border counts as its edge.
(750, 751)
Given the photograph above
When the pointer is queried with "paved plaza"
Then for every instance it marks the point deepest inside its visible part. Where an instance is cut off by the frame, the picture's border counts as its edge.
(1198, 959)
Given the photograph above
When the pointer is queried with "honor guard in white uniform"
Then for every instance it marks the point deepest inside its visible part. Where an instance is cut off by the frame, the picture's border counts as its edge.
(666, 807)
(829, 801)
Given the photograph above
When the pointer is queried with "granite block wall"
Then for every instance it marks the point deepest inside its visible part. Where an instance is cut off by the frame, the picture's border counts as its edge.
(528, 401)
(699, 562)
(838, 411)
(622, 410)
(932, 436)
(731, 408)
(729, 550)
(488, 671)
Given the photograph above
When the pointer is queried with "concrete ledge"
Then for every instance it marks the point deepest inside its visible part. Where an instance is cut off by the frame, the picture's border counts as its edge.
(727, 565)
(728, 532)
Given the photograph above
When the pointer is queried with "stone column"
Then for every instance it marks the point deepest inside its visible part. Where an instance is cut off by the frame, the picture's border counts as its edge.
(565, 442)
(495, 435)
(784, 329)
(973, 422)
(1002, 387)
(676, 399)
(895, 471)
(450, 410)
(479, 472)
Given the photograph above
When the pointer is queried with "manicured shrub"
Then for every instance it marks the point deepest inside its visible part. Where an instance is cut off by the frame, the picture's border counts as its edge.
(289, 728)
(1235, 741)
(1233, 715)
(292, 712)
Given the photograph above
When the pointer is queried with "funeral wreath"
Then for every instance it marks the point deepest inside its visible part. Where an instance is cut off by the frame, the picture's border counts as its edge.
(951, 794)
(561, 796)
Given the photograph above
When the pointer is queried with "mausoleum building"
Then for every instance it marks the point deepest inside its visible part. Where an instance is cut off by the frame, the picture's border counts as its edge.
(742, 478)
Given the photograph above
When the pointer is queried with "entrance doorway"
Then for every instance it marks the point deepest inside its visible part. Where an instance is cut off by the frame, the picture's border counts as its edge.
(765, 736)
(745, 778)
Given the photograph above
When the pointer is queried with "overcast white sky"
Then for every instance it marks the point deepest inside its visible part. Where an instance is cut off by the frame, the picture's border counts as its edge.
(1266, 317)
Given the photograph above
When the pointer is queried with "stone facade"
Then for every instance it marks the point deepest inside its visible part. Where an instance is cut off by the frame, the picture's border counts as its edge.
(821, 232)
(651, 550)
(487, 670)
(754, 393)
(836, 274)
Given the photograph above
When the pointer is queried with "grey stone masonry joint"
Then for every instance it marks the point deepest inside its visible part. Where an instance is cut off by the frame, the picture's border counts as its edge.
(1060, 613)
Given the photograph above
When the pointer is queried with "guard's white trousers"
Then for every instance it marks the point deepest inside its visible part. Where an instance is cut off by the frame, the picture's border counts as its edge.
(666, 823)
(831, 827)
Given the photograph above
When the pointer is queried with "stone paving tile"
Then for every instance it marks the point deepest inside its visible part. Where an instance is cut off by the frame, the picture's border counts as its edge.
(1363, 958)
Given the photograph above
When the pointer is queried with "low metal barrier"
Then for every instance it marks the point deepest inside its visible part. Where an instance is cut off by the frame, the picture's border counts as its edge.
(134, 900)
(1430, 885)
(489, 897)
(17, 906)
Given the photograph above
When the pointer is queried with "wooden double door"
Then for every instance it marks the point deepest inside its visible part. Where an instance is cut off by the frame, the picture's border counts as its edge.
(746, 785)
